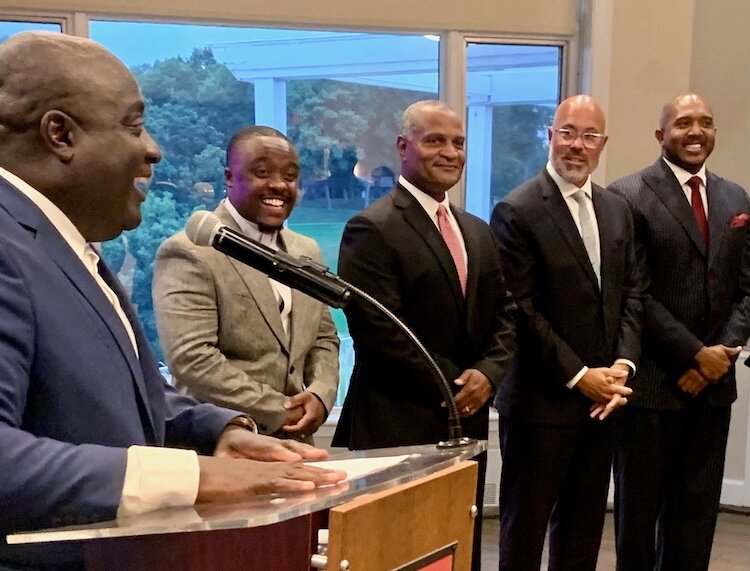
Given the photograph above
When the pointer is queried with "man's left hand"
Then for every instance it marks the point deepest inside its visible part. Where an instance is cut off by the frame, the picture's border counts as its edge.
(237, 442)
(477, 388)
(314, 413)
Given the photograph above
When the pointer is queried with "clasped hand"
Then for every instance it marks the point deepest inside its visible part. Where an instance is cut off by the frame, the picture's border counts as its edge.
(606, 387)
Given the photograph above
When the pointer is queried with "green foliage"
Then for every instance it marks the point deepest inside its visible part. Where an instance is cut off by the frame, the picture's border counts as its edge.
(519, 149)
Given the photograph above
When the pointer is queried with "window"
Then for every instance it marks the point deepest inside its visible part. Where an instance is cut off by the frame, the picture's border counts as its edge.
(511, 94)
(337, 95)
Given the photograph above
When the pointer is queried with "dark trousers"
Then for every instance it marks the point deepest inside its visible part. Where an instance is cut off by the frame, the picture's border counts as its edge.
(668, 473)
(556, 476)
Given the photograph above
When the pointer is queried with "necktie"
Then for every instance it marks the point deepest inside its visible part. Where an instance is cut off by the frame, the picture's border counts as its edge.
(587, 232)
(454, 245)
(696, 201)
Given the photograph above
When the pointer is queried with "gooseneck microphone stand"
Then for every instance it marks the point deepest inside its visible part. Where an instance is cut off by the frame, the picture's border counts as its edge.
(456, 439)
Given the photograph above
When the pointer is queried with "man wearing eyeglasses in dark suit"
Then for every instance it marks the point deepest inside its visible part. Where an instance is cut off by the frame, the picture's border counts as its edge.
(567, 249)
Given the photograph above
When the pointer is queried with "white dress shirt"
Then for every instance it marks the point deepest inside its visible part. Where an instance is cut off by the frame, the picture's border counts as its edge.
(430, 206)
(282, 292)
(683, 176)
(567, 189)
(155, 477)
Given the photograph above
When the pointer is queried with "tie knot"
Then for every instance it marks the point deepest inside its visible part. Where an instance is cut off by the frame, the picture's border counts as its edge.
(694, 182)
(579, 196)
(442, 211)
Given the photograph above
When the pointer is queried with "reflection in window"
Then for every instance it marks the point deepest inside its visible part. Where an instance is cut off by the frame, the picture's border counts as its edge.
(10, 27)
(338, 96)
(511, 95)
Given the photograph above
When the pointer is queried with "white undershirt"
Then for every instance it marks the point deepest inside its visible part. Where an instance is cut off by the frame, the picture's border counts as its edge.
(155, 477)
(282, 292)
(430, 206)
(683, 176)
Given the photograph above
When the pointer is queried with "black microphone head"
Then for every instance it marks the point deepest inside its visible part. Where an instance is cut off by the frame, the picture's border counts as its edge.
(202, 227)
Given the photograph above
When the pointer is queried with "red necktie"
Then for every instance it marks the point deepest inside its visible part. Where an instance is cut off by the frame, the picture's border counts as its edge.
(454, 245)
(697, 202)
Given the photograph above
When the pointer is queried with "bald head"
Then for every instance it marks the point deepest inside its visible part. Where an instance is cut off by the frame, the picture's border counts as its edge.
(583, 105)
(577, 138)
(71, 125)
(40, 71)
(686, 99)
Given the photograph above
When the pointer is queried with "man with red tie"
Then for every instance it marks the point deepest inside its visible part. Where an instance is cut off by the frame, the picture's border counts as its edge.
(438, 269)
(691, 229)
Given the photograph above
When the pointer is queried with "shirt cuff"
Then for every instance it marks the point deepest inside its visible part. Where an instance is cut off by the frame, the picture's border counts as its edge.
(158, 478)
(574, 381)
(630, 364)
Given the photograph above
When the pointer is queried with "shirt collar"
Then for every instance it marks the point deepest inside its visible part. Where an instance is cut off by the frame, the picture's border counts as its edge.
(57, 218)
(683, 176)
(250, 229)
(568, 189)
(429, 204)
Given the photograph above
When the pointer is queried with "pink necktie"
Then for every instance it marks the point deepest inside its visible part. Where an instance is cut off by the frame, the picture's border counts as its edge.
(697, 202)
(454, 245)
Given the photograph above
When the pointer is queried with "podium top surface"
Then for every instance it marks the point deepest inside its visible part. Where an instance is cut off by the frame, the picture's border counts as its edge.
(420, 461)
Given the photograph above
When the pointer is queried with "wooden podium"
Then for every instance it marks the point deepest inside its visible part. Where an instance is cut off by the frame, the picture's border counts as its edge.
(415, 515)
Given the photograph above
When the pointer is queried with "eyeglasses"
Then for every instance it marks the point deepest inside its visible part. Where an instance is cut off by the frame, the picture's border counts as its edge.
(590, 140)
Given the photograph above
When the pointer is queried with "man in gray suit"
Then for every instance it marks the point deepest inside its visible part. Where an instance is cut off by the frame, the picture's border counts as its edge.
(691, 231)
(231, 335)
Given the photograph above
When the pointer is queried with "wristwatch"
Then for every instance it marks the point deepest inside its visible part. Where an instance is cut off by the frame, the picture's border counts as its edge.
(244, 422)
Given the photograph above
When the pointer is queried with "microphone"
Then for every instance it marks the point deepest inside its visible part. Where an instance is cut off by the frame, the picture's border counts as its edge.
(306, 275)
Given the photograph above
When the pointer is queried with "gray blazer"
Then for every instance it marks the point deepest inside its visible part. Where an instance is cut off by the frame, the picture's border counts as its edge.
(694, 297)
(222, 335)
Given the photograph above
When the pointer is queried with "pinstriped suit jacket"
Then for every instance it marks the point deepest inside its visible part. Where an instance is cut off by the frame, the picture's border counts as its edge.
(694, 296)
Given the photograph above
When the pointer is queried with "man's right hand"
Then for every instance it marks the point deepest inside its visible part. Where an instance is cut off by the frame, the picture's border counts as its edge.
(603, 383)
(224, 478)
(715, 361)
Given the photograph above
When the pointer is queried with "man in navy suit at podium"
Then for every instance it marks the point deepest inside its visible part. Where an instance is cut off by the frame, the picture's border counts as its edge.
(84, 413)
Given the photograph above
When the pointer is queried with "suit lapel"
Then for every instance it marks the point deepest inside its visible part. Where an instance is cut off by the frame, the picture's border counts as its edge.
(417, 218)
(559, 213)
(257, 285)
(719, 215)
(57, 249)
(665, 185)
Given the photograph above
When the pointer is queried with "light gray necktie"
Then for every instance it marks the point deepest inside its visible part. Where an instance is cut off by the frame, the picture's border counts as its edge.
(587, 232)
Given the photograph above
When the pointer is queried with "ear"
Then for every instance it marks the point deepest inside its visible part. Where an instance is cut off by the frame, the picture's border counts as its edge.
(227, 177)
(659, 134)
(60, 134)
(401, 146)
(549, 133)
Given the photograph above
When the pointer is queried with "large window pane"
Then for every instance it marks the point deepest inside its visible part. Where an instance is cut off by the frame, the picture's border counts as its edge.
(338, 96)
(511, 93)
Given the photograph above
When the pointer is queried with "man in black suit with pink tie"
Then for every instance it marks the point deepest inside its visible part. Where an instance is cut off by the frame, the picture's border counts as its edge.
(691, 230)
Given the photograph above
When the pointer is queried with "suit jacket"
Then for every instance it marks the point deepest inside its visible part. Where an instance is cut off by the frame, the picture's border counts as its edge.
(694, 297)
(565, 319)
(73, 393)
(221, 331)
(393, 251)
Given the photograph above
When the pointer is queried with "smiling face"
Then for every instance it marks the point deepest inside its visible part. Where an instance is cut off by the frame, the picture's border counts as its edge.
(687, 132)
(432, 153)
(572, 160)
(261, 179)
